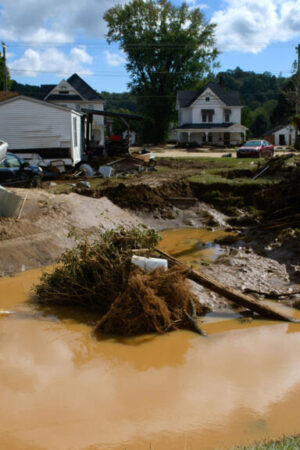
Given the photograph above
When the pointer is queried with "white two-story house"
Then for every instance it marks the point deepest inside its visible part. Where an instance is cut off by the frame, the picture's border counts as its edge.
(210, 116)
(76, 94)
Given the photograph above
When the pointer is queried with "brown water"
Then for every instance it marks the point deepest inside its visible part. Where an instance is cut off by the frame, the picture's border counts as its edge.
(192, 245)
(61, 389)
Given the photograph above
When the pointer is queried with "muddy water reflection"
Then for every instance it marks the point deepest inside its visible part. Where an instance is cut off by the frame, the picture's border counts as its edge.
(61, 389)
(192, 245)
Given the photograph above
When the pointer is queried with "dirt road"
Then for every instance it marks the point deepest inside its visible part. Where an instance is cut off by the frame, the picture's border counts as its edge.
(181, 153)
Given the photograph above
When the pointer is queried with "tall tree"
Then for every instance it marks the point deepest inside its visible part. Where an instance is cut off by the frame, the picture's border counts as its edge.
(168, 48)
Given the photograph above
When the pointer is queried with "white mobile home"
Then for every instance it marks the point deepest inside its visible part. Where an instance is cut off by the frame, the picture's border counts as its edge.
(31, 126)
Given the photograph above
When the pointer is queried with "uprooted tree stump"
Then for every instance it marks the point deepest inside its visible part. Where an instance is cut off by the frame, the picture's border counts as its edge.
(98, 276)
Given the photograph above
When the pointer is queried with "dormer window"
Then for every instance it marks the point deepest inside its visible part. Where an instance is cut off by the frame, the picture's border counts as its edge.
(63, 89)
(227, 113)
(207, 115)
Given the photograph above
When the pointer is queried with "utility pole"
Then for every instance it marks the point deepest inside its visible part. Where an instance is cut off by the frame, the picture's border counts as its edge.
(297, 65)
(4, 47)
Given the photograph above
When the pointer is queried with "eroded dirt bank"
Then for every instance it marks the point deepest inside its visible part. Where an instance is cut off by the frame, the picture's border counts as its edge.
(40, 236)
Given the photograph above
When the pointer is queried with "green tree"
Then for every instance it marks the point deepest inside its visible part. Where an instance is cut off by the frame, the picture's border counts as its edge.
(259, 124)
(168, 48)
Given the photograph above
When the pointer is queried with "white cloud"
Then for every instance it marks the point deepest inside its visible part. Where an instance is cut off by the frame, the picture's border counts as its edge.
(250, 26)
(52, 60)
(52, 21)
(194, 4)
(114, 59)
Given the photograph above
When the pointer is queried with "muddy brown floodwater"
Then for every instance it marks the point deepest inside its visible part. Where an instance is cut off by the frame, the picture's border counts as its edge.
(61, 389)
(192, 245)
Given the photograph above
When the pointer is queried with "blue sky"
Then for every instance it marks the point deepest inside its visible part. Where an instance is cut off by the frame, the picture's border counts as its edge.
(50, 40)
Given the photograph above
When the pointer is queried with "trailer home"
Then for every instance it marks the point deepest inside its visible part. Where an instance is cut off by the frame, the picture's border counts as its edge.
(36, 129)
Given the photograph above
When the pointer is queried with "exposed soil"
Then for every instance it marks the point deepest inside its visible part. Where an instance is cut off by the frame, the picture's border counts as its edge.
(266, 258)
(41, 234)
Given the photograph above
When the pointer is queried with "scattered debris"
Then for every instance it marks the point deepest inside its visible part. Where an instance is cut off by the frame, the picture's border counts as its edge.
(99, 277)
(9, 203)
(106, 171)
(232, 295)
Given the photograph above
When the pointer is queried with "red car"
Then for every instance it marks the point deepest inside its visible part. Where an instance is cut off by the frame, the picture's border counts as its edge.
(256, 149)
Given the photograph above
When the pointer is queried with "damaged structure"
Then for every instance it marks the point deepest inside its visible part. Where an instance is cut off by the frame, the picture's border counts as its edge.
(211, 115)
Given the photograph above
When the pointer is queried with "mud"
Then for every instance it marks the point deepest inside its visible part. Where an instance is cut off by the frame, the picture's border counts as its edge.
(61, 389)
(41, 235)
(237, 265)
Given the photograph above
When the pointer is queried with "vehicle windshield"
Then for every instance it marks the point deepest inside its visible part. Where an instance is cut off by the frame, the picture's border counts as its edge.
(252, 144)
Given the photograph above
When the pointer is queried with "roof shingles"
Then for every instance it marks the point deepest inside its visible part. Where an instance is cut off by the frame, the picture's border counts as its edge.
(230, 98)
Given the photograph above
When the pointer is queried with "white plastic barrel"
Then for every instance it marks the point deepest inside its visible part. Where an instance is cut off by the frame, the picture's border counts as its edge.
(149, 264)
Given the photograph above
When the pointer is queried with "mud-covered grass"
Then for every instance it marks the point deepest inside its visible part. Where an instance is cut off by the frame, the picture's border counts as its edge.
(286, 443)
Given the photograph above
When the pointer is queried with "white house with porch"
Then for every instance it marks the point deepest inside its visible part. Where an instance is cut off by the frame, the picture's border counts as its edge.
(211, 115)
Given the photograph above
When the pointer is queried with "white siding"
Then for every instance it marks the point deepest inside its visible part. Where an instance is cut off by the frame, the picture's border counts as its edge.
(98, 120)
(289, 134)
(27, 124)
(193, 114)
(76, 137)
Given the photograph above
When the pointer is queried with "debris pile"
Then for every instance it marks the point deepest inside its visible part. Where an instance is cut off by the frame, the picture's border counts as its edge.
(98, 276)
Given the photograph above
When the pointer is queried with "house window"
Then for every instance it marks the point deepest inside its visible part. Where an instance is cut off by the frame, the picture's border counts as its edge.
(207, 99)
(207, 115)
(75, 139)
(64, 91)
(227, 113)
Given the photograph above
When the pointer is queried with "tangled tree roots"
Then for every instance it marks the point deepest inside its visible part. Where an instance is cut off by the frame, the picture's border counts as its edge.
(98, 277)
(152, 303)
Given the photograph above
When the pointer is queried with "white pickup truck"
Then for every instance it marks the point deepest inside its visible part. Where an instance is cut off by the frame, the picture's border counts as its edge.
(3, 150)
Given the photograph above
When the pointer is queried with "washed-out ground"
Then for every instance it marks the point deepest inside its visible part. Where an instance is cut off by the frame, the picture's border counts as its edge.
(168, 198)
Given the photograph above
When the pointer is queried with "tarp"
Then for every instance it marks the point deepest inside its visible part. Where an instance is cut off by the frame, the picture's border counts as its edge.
(9, 203)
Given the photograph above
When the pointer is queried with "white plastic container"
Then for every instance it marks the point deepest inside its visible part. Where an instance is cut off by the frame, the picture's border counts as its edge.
(149, 264)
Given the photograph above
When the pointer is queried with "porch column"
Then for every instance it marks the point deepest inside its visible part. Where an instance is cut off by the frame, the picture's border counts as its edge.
(189, 137)
(206, 137)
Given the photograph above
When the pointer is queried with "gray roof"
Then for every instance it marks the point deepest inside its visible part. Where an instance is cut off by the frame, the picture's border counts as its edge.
(86, 92)
(83, 88)
(230, 98)
(273, 130)
(205, 125)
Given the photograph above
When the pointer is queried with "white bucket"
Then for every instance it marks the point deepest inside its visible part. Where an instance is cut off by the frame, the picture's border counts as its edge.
(149, 264)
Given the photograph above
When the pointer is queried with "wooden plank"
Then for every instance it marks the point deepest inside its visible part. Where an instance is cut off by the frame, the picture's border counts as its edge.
(230, 294)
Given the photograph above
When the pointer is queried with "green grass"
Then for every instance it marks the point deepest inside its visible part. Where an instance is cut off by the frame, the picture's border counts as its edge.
(286, 443)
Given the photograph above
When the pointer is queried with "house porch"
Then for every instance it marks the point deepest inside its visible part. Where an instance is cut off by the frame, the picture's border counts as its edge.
(211, 137)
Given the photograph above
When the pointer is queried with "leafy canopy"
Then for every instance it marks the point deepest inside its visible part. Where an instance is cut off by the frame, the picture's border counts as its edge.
(168, 48)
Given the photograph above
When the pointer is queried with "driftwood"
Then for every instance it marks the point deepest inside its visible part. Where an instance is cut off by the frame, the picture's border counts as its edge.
(234, 296)
(193, 319)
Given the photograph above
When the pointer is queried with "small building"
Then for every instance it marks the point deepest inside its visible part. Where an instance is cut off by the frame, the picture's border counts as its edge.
(211, 115)
(76, 94)
(281, 135)
(32, 127)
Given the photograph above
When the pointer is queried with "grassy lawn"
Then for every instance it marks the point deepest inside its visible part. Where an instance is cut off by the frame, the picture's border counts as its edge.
(286, 443)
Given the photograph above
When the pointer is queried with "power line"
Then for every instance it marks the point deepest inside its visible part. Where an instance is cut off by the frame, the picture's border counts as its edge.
(119, 74)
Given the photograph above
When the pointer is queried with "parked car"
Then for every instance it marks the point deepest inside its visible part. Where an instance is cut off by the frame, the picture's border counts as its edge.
(3, 150)
(257, 148)
(14, 171)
